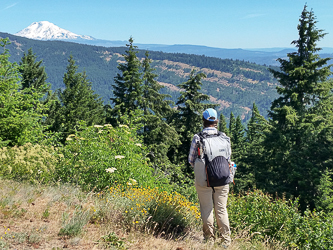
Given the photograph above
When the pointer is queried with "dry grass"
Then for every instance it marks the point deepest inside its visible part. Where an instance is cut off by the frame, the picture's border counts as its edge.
(31, 217)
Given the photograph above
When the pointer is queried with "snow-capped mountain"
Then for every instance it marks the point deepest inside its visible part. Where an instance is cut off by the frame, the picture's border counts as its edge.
(48, 31)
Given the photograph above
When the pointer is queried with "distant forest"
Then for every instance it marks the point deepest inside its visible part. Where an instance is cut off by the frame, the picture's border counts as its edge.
(248, 82)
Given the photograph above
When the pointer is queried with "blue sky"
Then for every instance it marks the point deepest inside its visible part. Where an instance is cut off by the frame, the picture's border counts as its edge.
(213, 23)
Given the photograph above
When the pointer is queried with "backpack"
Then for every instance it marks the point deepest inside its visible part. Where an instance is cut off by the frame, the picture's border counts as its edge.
(215, 149)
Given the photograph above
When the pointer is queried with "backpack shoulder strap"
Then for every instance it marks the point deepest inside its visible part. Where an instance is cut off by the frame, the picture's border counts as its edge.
(205, 135)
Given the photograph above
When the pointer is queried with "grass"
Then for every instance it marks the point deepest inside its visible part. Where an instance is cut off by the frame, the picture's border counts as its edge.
(59, 217)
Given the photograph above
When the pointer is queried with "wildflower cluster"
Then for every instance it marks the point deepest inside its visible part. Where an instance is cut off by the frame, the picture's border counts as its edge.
(118, 155)
(152, 208)
(29, 162)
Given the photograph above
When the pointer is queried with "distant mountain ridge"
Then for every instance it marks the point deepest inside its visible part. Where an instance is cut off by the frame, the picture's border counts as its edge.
(232, 84)
(264, 56)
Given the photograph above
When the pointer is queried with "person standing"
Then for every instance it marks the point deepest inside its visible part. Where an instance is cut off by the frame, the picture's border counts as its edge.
(211, 199)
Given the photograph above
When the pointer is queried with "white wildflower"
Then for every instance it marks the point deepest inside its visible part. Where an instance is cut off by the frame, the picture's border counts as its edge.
(132, 182)
(110, 170)
(98, 126)
(119, 157)
(123, 126)
(138, 144)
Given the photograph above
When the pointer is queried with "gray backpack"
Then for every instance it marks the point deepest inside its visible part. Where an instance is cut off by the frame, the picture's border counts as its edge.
(216, 150)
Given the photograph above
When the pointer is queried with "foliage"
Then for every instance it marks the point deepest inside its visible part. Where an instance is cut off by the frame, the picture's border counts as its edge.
(259, 213)
(223, 125)
(153, 208)
(324, 200)
(33, 73)
(279, 219)
(102, 155)
(190, 106)
(20, 111)
(157, 133)
(73, 226)
(33, 163)
(127, 89)
(232, 125)
(112, 239)
(249, 173)
(311, 231)
(238, 139)
(293, 159)
(78, 102)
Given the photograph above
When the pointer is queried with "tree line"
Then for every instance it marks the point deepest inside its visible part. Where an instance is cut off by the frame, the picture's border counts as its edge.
(287, 154)
(236, 82)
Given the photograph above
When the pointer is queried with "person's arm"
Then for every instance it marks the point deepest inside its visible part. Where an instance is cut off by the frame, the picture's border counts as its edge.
(193, 151)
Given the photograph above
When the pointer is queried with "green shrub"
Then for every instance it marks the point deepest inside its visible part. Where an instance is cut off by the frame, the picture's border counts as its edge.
(259, 212)
(111, 239)
(280, 219)
(311, 231)
(153, 209)
(100, 156)
(33, 163)
(73, 226)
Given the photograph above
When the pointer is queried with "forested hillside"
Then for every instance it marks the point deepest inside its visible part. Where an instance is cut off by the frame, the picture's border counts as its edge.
(134, 152)
(232, 84)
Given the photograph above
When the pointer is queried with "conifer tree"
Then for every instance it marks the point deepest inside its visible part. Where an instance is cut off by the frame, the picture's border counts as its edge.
(53, 121)
(127, 89)
(33, 73)
(303, 84)
(157, 133)
(256, 128)
(79, 103)
(223, 125)
(232, 125)
(250, 165)
(190, 106)
(238, 147)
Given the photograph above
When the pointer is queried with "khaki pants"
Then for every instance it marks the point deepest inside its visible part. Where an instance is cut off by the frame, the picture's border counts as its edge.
(210, 201)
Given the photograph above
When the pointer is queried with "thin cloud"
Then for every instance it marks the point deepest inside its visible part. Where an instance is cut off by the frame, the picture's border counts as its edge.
(9, 6)
(253, 16)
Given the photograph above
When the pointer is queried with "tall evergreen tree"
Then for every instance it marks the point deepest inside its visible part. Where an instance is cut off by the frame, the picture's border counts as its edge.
(256, 127)
(127, 89)
(232, 125)
(33, 73)
(53, 121)
(238, 139)
(190, 106)
(249, 165)
(223, 125)
(79, 103)
(303, 82)
(157, 133)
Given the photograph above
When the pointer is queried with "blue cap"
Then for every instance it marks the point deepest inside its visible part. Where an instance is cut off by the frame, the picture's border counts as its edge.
(210, 115)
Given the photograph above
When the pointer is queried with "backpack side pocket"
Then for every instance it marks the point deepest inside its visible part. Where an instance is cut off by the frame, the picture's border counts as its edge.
(200, 173)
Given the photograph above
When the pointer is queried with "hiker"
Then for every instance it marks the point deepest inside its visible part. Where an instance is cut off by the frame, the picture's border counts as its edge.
(211, 197)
